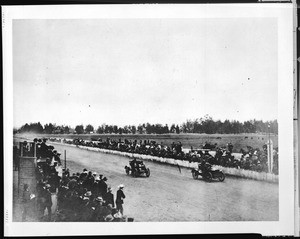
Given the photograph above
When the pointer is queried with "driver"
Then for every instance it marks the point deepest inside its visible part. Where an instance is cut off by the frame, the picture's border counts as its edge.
(204, 166)
(138, 165)
(142, 165)
(133, 165)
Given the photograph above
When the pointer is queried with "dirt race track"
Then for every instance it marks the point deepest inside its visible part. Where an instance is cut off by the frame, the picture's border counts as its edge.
(168, 195)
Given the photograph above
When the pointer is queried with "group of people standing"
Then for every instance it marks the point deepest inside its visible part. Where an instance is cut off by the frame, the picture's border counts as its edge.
(86, 196)
(82, 196)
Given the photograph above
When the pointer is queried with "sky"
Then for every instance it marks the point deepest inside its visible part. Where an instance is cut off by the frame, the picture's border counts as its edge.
(132, 71)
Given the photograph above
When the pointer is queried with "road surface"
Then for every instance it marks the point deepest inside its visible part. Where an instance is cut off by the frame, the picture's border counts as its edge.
(168, 195)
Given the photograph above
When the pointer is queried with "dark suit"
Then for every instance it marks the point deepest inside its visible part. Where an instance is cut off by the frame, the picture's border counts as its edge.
(109, 199)
(102, 186)
(119, 200)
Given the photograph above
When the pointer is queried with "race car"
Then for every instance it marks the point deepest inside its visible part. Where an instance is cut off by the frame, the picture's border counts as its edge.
(137, 168)
(208, 172)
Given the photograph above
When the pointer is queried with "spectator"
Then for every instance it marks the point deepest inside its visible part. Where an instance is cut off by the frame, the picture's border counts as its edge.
(102, 186)
(119, 199)
(109, 198)
(48, 201)
(26, 201)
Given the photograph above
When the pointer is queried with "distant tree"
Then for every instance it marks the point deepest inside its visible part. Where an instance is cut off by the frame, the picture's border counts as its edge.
(199, 125)
(273, 126)
(106, 129)
(89, 128)
(177, 129)
(208, 125)
(100, 130)
(218, 124)
(173, 128)
(166, 129)
(66, 129)
(58, 130)
(79, 129)
(249, 127)
(126, 129)
(115, 129)
(183, 128)
(226, 127)
(148, 128)
(15, 130)
(37, 127)
(140, 129)
(25, 128)
(110, 129)
(133, 129)
(188, 127)
(49, 128)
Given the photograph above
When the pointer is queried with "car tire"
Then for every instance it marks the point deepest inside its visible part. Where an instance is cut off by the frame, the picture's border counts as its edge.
(208, 177)
(195, 175)
(221, 177)
(148, 173)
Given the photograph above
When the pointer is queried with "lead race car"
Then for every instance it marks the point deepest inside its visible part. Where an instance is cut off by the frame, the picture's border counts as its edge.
(137, 168)
(208, 172)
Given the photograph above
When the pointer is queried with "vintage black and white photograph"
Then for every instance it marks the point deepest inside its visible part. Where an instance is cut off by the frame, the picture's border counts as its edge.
(168, 118)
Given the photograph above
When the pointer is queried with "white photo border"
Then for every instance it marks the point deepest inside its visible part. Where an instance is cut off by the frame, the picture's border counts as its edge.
(284, 15)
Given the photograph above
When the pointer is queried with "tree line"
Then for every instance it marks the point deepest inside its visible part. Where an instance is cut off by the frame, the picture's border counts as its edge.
(200, 125)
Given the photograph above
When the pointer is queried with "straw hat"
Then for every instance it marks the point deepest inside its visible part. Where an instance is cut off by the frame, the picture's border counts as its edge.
(99, 199)
(88, 194)
(109, 218)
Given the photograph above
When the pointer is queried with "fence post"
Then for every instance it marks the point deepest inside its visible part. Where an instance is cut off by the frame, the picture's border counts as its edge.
(270, 155)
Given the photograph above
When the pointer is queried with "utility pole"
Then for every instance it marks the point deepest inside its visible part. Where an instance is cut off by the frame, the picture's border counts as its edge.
(65, 159)
(270, 153)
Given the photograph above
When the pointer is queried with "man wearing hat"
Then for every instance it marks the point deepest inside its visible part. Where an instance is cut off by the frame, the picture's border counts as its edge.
(72, 183)
(48, 201)
(57, 157)
(109, 197)
(119, 199)
(86, 210)
(88, 183)
(102, 186)
(43, 148)
(99, 210)
(95, 188)
(84, 174)
(26, 201)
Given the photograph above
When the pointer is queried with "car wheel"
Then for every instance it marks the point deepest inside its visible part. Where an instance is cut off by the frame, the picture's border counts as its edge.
(221, 177)
(208, 177)
(195, 174)
(148, 172)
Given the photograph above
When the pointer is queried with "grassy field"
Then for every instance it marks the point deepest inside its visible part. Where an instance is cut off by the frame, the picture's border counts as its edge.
(195, 140)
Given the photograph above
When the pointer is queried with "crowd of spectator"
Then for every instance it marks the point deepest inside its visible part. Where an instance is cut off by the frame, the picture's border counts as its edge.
(82, 196)
(86, 196)
(251, 159)
(257, 159)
